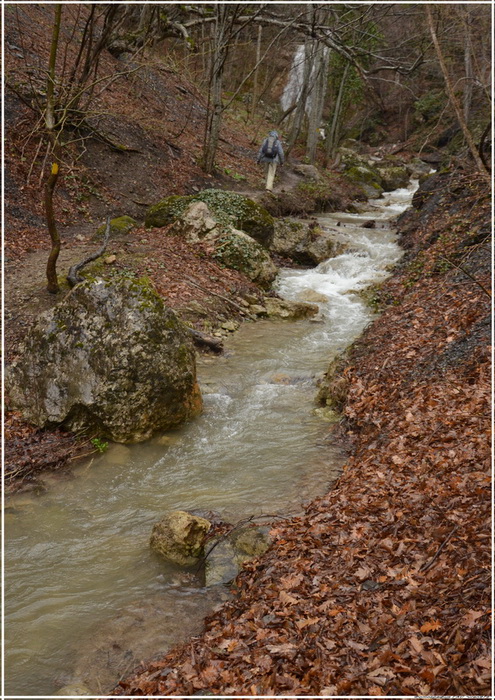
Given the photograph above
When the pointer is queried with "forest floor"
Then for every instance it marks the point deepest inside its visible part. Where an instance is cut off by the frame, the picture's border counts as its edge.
(383, 587)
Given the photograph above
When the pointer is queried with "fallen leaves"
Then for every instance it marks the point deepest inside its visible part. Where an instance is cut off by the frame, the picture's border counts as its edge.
(382, 586)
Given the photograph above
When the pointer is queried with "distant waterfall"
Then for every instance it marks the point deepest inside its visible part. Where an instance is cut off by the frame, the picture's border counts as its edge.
(293, 89)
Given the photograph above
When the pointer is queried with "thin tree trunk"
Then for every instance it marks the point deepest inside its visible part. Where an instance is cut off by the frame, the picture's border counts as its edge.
(318, 100)
(51, 267)
(303, 97)
(452, 97)
(254, 100)
(334, 131)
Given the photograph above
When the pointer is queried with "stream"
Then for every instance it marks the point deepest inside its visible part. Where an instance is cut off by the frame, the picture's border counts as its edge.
(85, 598)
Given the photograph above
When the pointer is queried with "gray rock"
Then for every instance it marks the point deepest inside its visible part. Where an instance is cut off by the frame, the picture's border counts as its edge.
(304, 242)
(309, 172)
(179, 537)
(289, 310)
(239, 251)
(221, 564)
(196, 222)
(227, 554)
(111, 359)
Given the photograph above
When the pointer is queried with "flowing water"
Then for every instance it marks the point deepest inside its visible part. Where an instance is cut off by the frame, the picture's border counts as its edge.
(85, 598)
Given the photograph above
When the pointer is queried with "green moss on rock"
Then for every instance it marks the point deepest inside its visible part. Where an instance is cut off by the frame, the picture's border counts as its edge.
(118, 226)
(227, 208)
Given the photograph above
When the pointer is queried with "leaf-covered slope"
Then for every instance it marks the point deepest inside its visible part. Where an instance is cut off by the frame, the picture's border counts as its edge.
(383, 586)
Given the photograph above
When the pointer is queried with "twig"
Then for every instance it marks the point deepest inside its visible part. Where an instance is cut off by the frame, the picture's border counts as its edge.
(462, 269)
(428, 566)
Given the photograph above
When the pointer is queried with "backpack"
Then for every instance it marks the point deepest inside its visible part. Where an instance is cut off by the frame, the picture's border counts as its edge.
(270, 148)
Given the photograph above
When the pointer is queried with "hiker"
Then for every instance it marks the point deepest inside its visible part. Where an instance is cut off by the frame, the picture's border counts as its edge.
(271, 152)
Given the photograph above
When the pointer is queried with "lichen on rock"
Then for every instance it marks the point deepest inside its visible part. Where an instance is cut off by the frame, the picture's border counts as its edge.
(110, 359)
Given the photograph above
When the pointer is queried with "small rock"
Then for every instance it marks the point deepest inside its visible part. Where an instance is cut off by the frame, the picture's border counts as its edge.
(74, 689)
(117, 454)
(179, 537)
(258, 310)
(312, 296)
(230, 326)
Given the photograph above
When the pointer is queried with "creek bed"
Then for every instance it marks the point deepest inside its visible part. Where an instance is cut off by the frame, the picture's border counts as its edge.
(84, 596)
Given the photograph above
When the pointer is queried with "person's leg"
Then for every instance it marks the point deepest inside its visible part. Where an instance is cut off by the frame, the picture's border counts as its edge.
(272, 167)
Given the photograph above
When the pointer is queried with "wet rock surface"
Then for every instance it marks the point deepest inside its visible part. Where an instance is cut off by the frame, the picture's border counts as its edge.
(179, 537)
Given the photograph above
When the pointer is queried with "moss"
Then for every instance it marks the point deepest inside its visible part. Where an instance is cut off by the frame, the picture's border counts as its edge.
(361, 174)
(118, 226)
(227, 208)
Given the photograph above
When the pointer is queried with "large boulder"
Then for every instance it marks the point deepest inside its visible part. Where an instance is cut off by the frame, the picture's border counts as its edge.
(179, 537)
(367, 178)
(304, 242)
(110, 359)
(237, 250)
(195, 223)
(393, 177)
(228, 209)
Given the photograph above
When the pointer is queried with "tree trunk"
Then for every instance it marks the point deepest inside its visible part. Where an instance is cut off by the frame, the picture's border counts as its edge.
(303, 97)
(51, 267)
(333, 136)
(452, 97)
(214, 112)
(254, 99)
(318, 100)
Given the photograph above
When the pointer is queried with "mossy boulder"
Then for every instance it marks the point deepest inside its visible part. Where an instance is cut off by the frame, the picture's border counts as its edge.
(229, 209)
(393, 177)
(367, 178)
(179, 537)
(237, 250)
(304, 242)
(111, 360)
(118, 227)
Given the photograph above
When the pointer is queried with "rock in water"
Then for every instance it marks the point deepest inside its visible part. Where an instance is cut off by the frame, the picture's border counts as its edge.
(110, 359)
(179, 537)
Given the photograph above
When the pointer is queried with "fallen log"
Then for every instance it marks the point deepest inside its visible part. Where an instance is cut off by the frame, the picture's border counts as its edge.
(203, 340)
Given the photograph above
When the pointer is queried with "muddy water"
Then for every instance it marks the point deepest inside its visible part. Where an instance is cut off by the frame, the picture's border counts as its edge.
(85, 599)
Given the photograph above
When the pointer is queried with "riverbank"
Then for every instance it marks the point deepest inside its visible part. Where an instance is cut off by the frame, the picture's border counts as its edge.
(383, 586)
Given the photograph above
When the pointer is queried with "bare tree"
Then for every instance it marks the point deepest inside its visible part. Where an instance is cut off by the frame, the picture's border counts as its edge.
(452, 96)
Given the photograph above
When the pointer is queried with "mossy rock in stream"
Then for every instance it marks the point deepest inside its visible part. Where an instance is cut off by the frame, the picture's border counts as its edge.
(393, 177)
(367, 178)
(237, 250)
(229, 209)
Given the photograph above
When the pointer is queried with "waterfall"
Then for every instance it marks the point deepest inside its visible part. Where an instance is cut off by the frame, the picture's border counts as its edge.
(294, 86)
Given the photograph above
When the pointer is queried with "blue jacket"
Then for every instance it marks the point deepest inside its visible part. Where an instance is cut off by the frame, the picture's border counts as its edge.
(279, 158)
